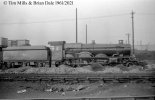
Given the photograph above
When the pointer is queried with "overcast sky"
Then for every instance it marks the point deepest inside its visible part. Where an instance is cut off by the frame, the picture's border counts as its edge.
(107, 21)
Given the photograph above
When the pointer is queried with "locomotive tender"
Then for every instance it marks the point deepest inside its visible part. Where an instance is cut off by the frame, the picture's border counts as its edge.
(26, 56)
(72, 54)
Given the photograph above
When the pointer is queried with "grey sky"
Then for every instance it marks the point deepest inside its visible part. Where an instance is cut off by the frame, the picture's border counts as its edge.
(43, 23)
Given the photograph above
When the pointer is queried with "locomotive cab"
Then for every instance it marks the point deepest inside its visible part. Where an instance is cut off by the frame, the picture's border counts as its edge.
(57, 49)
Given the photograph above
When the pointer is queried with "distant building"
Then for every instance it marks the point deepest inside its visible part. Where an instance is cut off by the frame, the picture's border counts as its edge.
(3, 42)
(150, 47)
(12, 43)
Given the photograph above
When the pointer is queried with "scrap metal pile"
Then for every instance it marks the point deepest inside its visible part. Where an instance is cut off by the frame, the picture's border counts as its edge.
(94, 68)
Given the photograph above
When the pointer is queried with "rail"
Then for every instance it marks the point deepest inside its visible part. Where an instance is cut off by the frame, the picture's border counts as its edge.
(106, 77)
(145, 97)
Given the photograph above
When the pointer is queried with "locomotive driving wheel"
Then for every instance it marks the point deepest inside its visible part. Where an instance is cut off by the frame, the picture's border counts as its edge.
(128, 64)
(57, 63)
(67, 62)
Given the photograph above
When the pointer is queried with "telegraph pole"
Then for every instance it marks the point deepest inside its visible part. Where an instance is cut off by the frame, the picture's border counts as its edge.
(86, 33)
(132, 17)
(128, 35)
(76, 27)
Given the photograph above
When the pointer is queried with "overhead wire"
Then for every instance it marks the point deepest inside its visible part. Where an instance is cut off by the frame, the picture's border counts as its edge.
(62, 20)
(35, 22)
(72, 19)
(104, 16)
(145, 14)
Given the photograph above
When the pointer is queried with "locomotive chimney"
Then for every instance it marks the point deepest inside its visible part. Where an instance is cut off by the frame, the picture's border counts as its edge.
(93, 42)
(120, 42)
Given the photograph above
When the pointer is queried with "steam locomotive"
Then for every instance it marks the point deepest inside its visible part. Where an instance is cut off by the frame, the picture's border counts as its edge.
(72, 54)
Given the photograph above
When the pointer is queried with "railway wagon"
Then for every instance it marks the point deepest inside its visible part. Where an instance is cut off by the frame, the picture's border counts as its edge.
(26, 56)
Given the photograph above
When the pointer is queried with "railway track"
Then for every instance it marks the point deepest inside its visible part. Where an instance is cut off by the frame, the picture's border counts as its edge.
(147, 97)
(106, 77)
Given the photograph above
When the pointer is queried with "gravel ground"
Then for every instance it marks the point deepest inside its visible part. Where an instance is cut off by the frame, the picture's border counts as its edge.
(29, 90)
